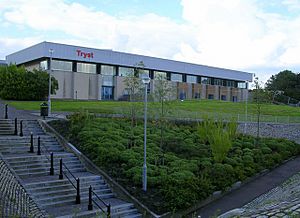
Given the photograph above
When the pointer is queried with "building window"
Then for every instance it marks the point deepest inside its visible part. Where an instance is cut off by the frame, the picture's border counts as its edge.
(182, 95)
(223, 97)
(191, 79)
(234, 98)
(126, 71)
(107, 93)
(44, 65)
(61, 65)
(242, 85)
(218, 82)
(158, 75)
(108, 70)
(107, 80)
(210, 96)
(206, 80)
(175, 77)
(230, 83)
(86, 68)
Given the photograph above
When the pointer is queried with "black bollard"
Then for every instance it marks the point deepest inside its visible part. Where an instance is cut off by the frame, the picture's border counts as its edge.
(31, 143)
(78, 191)
(16, 126)
(51, 164)
(6, 112)
(39, 146)
(60, 169)
(90, 205)
(21, 128)
(108, 210)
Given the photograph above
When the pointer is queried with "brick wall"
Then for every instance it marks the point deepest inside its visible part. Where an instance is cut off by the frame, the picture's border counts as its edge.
(14, 201)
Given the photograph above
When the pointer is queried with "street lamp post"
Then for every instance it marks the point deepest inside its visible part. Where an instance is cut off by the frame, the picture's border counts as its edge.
(146, 81)
(246, 109)
(49, 93)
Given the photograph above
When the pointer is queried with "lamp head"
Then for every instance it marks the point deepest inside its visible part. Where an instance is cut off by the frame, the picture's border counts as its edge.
(145, 79)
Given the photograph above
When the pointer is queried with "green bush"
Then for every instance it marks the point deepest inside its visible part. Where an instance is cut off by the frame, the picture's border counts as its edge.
(17, 83)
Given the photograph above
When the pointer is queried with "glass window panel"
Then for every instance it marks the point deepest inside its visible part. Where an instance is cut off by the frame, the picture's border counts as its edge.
(125, 71)
(191, 79)
(107, 80)
(206, 80)
(44, 65)
(218, 82)
(158, 75)
(108, 70)
(176, 77)
(241, 85)
(61, 65)
(230, 83)
(86, 68)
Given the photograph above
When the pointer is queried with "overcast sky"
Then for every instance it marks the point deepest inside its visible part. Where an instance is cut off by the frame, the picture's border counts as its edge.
(257, 36)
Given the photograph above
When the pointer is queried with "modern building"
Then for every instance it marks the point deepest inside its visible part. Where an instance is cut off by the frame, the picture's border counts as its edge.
(3, 63)
(98, 74)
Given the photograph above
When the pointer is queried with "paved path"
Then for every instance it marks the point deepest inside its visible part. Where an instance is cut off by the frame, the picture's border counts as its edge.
(27, 115)
(252, 190)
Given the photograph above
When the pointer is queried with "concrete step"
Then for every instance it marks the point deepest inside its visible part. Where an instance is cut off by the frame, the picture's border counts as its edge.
(56, 155)
(73, 168)
(69, 199)
(45, 172)
(69, 190)
(46, 163)
(42, 161)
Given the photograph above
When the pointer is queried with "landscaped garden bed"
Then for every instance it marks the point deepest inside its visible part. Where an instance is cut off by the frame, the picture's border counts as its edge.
(186, 161)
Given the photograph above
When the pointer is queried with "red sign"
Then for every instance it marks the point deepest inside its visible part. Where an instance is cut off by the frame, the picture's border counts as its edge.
(84, 54)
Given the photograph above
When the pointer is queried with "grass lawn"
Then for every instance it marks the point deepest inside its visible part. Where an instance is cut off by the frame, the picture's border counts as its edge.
(188, 108)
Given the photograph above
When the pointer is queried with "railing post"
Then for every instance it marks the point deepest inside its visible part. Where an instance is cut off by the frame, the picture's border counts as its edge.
(21, 128)
(6, 112)
(31, 143)
(90, 206)
(51, 167)
(78, 191)
(39, 146)
(16, 126)
(108, 210)
(60, 169)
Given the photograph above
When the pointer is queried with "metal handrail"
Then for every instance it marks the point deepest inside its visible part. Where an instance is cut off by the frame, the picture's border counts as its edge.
(107, 205)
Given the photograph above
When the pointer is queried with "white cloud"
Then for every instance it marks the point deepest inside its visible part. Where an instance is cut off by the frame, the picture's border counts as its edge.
(235, 34)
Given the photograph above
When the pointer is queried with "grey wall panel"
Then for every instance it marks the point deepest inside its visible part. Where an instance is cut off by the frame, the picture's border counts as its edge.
(81, 85)
(78, 53)
(93, 86)
(60, 77)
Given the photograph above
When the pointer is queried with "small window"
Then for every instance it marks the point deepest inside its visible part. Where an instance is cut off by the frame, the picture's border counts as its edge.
(218, 82)
(234, 98)
(86, 68)
(197, 95)
(223, 97)
(44, 65)
(191, 79)
(108, 70)
(182, 95)
(175, 77)
(126, 71)
(158, 75)
(210, 96)
(206, 80)
(61, 65)
(242, 85)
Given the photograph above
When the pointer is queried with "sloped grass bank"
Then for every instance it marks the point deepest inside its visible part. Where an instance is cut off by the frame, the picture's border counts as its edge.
(182, 165)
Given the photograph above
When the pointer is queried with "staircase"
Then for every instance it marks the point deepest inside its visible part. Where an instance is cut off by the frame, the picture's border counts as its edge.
(6, 127)
(56, 196)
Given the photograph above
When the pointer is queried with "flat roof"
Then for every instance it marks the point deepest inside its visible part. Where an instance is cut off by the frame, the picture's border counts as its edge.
(104, 56)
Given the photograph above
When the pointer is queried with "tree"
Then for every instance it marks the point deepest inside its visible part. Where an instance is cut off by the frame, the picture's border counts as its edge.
(17, 83)
(133, 85)
(258, 99)
(287, 82)
(162, 93)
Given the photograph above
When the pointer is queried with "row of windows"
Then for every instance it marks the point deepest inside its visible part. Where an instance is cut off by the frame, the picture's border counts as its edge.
(109, 71)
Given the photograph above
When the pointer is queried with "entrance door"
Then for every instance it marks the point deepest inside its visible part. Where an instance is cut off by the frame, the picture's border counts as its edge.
(107, 93)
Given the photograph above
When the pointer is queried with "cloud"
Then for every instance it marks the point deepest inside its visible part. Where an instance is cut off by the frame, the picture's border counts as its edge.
(235, 34)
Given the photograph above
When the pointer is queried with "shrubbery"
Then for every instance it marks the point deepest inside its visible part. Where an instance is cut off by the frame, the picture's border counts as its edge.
(189, 172)
(16, 83)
